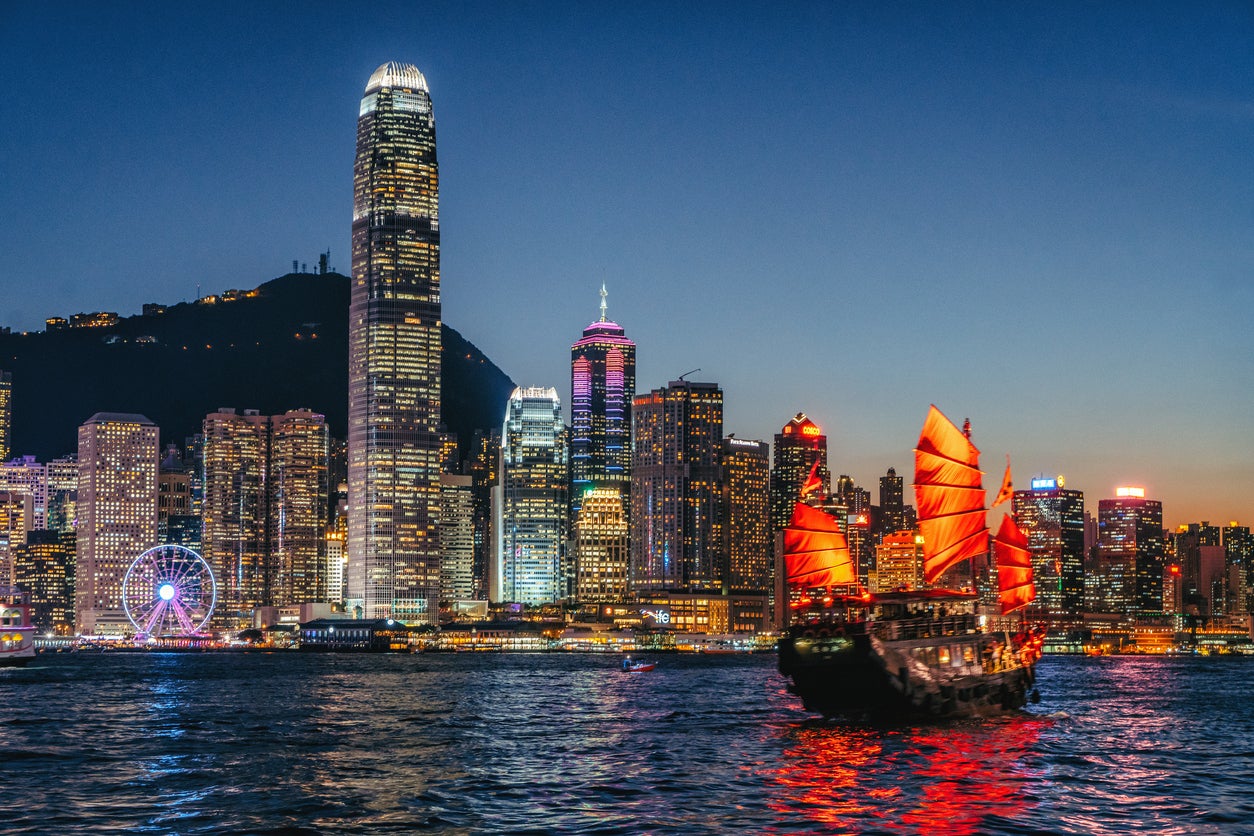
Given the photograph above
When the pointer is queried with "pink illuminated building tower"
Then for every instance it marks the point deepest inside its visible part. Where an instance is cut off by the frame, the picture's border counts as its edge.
(602, 384)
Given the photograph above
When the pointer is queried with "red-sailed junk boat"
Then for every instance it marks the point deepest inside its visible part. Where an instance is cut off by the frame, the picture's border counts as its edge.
(910, 654)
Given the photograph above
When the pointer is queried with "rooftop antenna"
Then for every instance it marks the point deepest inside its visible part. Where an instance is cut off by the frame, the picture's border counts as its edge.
(685, 374)
(603, 295)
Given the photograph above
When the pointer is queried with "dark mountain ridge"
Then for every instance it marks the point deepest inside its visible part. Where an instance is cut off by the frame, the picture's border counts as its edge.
(283, 346)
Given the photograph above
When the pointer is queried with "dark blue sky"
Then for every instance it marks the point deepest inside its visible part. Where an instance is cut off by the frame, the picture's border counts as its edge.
(1038, 216)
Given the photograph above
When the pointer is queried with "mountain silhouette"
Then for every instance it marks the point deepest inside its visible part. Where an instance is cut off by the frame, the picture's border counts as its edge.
(282, 346)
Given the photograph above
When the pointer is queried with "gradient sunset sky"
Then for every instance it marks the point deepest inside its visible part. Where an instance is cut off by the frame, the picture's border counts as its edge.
(1038, 216)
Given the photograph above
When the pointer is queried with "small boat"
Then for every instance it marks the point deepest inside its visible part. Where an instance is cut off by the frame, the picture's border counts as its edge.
(637, 667)
(17, 634)
(912, 653)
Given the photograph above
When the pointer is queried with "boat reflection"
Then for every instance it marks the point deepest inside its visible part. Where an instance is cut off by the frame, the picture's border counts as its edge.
(962, 779)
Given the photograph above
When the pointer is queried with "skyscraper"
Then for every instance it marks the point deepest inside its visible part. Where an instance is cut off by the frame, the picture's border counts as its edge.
(45, 569)
(6, 415)
(534, 502)
(457, 538)
(235, 513)
(600, 540)
(1052, 518)
(892, 503)
(299, 496)
(117, 513)
(265, 509)
(15, 517)
(677, 435)
(602, 385)
(394, 353)
(1130, 549)
(797, 447)
(898, 562)
(745, 519)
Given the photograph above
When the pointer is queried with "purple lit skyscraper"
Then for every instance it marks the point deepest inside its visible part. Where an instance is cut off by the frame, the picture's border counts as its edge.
(602, 384)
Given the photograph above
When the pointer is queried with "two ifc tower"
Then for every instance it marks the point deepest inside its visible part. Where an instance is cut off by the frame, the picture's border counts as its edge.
(394, 362)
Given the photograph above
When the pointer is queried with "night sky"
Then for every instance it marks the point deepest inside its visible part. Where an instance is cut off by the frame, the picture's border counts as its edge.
(1038, 216)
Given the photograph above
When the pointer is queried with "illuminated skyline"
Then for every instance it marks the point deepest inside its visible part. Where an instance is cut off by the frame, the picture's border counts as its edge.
(1035, 217)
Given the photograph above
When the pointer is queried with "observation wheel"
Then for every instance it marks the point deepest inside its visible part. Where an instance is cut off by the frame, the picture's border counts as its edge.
(169, 591)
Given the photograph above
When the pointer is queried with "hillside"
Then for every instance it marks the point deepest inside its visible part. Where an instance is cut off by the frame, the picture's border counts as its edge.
(284, 348)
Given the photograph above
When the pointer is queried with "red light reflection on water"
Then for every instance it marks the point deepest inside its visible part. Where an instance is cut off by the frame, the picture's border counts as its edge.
(944, 779)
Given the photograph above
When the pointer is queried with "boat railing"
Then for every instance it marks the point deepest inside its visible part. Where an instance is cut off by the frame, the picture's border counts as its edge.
(925, 627)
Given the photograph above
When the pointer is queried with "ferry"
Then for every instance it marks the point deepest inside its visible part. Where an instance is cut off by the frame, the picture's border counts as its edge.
(17, 634)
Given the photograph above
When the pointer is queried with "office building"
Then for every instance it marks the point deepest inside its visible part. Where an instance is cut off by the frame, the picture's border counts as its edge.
(1130, 553)
(236, 539)
(600, 546)
(394, 444)
(602, 384)
(893, 517)
(1052, 519)
(798, 446)
(6, 415)
(457, 538)
(44, 568)
(298, 495)
(747, 545)
(265, 510)
(898, 562)
(675, 493)
(15, 516)
(534, 502)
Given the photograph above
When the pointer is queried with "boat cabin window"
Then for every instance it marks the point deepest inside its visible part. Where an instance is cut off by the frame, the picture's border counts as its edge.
(943, 655)
(10, 617)
(968, 654)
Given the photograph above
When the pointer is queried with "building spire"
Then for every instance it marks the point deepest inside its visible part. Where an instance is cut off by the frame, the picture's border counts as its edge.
(603, 295)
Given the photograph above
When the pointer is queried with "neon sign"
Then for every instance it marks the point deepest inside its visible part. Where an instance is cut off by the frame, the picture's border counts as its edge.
(1044, 484)
(1130, 491)
(811, 430)
(660, 616)
(860, 520)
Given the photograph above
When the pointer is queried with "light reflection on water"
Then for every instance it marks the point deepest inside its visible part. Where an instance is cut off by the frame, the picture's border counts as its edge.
(564, 743)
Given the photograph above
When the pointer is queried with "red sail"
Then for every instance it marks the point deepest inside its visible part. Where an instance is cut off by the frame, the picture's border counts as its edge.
(815, 551)
(949, 495)
(1014, 567)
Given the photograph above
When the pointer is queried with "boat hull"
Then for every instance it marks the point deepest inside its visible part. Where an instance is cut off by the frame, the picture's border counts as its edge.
(860, 676)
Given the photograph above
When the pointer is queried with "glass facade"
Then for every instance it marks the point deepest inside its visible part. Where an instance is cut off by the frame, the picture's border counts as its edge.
(394, 354)
(534, 501)
(600, 539)
(602, 385)
(1053, 521)
(457, 538)
(1131, 555)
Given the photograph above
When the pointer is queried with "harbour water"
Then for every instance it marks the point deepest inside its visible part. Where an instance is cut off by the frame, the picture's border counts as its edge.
(520, 743)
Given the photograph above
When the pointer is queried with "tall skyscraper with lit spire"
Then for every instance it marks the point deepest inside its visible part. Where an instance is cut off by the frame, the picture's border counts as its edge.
(394, 353)
(602, 384)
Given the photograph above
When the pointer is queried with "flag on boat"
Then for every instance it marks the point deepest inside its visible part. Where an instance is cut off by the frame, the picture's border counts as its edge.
(1007, 491)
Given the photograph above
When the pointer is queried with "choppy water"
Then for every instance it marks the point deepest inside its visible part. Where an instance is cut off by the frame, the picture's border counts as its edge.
(292, 743)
